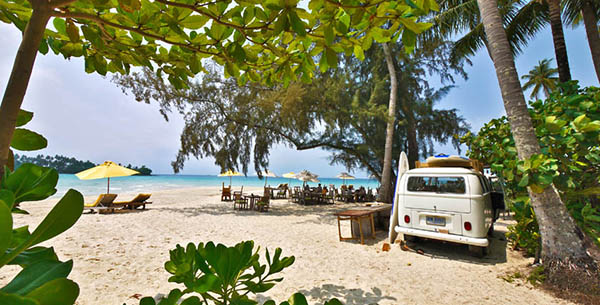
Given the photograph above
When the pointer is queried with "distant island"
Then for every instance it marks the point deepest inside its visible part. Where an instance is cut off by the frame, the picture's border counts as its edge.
(69, 165)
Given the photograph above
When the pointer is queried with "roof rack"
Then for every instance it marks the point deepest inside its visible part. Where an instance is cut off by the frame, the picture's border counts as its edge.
(451, 161)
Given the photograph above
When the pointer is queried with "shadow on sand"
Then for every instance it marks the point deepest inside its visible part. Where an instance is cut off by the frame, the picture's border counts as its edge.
(458, 252)
(353, 296)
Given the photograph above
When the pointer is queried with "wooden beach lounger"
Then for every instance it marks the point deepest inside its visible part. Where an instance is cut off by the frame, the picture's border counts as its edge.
(103, 202)
(139, 200)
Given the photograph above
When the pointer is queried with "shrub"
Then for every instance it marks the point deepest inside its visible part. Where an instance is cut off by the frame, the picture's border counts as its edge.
(567, 125)
(222, 275)
(42, 279)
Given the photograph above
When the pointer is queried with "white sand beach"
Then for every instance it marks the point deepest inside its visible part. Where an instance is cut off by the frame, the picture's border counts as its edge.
(117, 256)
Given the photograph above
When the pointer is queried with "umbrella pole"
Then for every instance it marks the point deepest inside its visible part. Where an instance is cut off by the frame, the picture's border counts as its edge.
(108, 186)
(266, 178)
(230, 181)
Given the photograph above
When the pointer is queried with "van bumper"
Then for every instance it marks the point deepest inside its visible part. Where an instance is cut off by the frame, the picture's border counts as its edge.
(474, 241)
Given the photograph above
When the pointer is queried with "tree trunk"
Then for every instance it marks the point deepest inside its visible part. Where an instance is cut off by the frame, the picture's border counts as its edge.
(386, 182)
(558, 37)
(19, 77)
(590, 20)
(563, 246)
(411, 138)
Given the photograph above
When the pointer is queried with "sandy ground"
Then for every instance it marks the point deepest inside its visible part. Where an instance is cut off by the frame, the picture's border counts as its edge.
(117, 256)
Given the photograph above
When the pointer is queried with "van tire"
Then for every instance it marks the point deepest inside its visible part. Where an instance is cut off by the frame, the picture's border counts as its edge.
(477, 251)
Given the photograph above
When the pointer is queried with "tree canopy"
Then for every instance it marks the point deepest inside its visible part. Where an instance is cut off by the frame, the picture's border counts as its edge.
(278, 37)
(343, 111)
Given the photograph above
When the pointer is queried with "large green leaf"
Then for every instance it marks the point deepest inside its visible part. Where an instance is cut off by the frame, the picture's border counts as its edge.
(8, 197)
(60, 291)
(31, 182)
(5, 227)
(63, 216)
(37, 275)
(13, 299)
(333, 301)
(33, 255)
(27, 140)
(24, 117)
(297, 299)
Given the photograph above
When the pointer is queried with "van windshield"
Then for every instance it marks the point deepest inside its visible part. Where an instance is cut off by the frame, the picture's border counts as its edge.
(454, 185)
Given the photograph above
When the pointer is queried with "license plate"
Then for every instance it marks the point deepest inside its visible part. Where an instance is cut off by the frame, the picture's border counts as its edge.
(435, 221)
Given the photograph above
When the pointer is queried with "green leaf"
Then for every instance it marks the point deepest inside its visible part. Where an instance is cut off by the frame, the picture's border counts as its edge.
(331, 57)
(194, 21)
(147, 301)
(60, 291)
(297, 299)
(60, 25)
(524, 181)
(333, 301)
(297, 24)
(358, 52)
(329, 34)
(13, 299)
(63, 216)
(192, 301)
(591, 126)
(72, 31)
(207, 282)
(33, 255)
(6, 223)
(37, 275)
(27, 140)
(30, 182)
(24, 117)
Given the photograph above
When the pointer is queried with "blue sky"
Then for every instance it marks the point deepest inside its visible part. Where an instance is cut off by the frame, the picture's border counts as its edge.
(87, 117)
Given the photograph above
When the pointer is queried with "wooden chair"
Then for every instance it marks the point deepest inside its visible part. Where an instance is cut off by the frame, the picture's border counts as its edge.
(263, 204)
(241, 192)
(240, 201)
(226, 193)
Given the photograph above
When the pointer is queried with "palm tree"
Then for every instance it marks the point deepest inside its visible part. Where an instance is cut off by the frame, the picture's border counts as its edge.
(563, 247)
(558, 38)
(541, 76)
(522, 19)
(587, 10)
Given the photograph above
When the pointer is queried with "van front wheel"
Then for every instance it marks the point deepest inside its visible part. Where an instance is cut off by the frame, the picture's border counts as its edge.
(477, 251)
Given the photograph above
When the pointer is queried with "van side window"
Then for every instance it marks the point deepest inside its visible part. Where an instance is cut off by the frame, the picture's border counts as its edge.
(454, 185)
(484, 186)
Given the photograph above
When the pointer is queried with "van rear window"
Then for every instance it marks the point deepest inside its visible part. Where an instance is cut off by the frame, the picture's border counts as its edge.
(454, 185)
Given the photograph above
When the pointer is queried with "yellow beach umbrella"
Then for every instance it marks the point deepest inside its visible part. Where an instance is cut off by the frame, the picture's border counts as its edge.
(230, 174)
(107, 169)
(290, 176)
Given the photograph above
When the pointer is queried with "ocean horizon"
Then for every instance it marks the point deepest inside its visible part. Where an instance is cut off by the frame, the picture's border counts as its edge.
(149, 184)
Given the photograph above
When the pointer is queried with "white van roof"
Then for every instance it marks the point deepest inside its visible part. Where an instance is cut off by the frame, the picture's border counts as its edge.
(443, 170)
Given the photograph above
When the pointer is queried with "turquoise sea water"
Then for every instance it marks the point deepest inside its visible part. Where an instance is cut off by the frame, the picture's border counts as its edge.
(140, 184)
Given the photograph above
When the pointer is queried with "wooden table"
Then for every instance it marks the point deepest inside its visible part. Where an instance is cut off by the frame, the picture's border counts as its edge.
(358, 215)
(252, 199)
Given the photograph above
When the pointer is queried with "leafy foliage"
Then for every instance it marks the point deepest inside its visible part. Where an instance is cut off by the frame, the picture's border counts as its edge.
(279, 38)
(224, 275)
(567, 125)
(42, 280)
(343, 111)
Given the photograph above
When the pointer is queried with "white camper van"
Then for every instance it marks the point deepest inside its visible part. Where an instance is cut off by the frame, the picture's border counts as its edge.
(450, 203)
